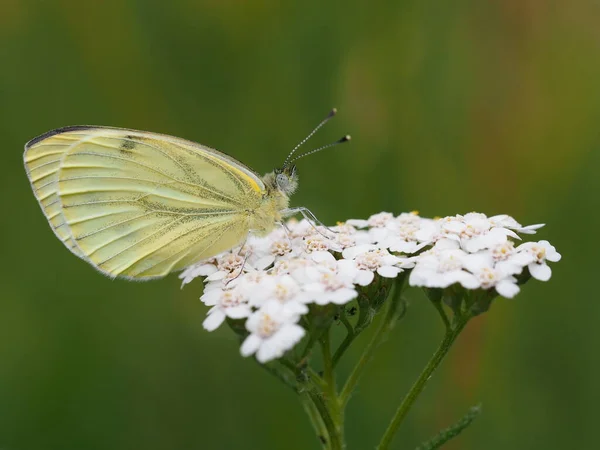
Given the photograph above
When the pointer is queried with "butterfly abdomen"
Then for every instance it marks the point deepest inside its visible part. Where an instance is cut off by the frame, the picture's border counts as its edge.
(265, 218)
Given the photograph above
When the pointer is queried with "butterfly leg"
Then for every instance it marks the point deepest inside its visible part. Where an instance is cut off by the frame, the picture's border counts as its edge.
(309, 216)
(239, 271)
(288, 233)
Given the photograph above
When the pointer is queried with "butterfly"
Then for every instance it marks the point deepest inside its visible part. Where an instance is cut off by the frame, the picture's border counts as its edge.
(139, 205)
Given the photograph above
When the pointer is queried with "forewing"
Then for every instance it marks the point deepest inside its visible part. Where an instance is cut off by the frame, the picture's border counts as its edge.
(137, 204)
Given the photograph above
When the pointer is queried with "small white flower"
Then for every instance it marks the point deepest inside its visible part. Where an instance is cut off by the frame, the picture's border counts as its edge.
(508, 259)
(474, 232)
(289, 266)
(409, 233)
(363, 260)
(281, 247)
(506, 221)
(299, 229)
(200, 269)
(499, 277)
(540, 252)
(505, 285)
(317, 243)
(273, 331)
(272, 248)
(325, 260)
(225, 303)
(378, 220)
(441, 267)
(227, 264)
(271, 280)
(324, 286)
(283, 289)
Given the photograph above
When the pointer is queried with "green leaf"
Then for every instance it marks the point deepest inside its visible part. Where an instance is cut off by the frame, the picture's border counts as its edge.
(452, 431)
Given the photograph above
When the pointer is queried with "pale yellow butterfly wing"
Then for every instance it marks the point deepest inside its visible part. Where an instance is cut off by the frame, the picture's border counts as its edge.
(137, 204)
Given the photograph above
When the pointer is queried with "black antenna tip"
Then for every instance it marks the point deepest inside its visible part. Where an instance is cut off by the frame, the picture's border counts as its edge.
(345, 138)
(332, 113)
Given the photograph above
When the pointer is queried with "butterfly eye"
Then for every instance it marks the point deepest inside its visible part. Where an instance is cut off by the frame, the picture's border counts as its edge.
(282, 181)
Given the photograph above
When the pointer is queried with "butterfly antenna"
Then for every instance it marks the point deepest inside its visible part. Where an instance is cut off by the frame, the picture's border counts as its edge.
(333, 144)
(323, 122)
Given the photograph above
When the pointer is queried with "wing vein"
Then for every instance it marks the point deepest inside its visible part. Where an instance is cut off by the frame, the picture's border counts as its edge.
(185, 251)
(171, 223)
(215, 193)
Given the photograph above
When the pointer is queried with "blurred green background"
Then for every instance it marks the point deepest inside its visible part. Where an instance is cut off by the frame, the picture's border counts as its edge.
(457, 106)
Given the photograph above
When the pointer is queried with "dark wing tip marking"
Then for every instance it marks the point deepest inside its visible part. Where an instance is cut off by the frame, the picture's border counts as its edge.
(51, 133)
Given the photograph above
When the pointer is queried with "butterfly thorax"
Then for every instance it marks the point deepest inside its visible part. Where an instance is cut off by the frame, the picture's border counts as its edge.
(279, 185)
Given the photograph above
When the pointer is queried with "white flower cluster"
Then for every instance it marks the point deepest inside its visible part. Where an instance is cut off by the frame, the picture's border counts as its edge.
(270, 281)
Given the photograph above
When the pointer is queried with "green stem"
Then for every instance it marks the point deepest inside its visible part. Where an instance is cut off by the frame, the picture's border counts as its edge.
(440, 309)
(312, 337)
(386, 325)
(316, 419)
(312, 389)
(350, 335)
(335, 440)
(449, 338)
(336, 434)
(328, 374)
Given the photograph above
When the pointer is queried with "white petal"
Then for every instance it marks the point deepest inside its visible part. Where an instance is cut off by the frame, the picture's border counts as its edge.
(250, 345)
(288, 336)
(263, 262)
(390, 260)
(322, 256)
(530, 229)
(353, 252)
(454, 227)
(449, 242)
(467, 280)
(379, 234)
(238, 312)
(551, 253)
(347, 268)
(554, 256)
(212, 285)
(416, 278)
(211, 297)
(507, 289)
(219, 275)
(343, 296)
(510, 268)
(206, 269)
(407, 263)
(268, 351)
(494, 237)
(314, 288)
(478, 261)
(511, 233)
(522, 258)
(358, 223)
(427, 231)
(364, 277)
(322, 298)
(540, 272)
(214, 320)
(295, 308)
(388, 271)
(503, 220)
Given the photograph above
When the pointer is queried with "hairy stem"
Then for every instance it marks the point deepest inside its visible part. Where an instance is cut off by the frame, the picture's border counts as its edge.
(350, 335)
(316, 419)
(336, 434)
(449, 338)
